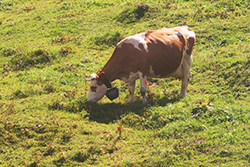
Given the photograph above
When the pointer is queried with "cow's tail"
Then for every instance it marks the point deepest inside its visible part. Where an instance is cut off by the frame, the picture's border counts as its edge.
(188, 36)
(190, 42)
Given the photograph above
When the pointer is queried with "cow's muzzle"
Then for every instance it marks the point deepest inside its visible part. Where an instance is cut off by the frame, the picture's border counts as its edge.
(112, 93)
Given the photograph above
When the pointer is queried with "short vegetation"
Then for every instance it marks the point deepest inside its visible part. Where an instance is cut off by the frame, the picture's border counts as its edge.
(47, 47)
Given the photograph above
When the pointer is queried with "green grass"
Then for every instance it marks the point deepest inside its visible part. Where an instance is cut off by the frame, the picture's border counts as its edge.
(46, 48)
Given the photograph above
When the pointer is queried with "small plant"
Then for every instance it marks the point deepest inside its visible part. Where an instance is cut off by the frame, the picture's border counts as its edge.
(7, 108)
(66, 39)
(49, 88)
(67, 67)
(60, 160)
(201, 107)
(9, 52)
(66, 136)
(50, 150)
(19, 94)
(33, 164)
(64, 51)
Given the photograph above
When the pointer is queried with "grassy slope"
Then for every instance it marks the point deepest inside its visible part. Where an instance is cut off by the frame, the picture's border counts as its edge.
(47, 46)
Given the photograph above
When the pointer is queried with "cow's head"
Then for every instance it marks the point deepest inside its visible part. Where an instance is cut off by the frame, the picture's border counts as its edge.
(97, 89)
(100, 86)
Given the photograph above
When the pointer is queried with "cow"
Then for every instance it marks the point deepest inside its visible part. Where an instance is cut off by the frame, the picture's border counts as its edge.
(161, 53)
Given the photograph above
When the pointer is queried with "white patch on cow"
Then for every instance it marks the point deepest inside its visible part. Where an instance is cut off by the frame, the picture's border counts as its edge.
(131, 83)
(131, 78)
(135, 40)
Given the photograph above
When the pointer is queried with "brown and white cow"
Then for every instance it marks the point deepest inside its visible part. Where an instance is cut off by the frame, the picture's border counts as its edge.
(162, 53)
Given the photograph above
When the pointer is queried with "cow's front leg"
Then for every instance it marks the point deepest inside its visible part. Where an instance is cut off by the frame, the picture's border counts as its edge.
(131, 87)
(143, 89)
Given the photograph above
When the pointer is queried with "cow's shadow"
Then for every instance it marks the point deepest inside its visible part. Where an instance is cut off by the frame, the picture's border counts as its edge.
(110, 112)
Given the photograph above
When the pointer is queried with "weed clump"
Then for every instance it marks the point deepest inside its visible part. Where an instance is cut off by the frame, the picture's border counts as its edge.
(8, 52)
(180, 128)
(60, 161)
(66, 136)
(214, 115)
(49, 88)
(80, 156)
(69, 101)
(134, 13)
(49, 151)
(22, 61)
(91, 153)
(68, 67)
(109, 38)
(201, 108)
(134, 120)
(19, 94)
(6, 5)
(66, 39)
(64, 51)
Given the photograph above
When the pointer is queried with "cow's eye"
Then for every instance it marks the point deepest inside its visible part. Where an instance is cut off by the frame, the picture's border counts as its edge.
(99, 83)
(93, 88)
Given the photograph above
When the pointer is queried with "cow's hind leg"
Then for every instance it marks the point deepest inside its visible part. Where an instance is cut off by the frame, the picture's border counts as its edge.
(131, 87)
(186, 74)
(143, 89)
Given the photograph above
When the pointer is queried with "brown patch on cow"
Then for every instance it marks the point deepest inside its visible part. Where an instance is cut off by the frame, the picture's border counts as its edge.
(165, 51)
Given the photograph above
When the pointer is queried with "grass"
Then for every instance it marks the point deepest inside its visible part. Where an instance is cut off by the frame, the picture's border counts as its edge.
(46, 48)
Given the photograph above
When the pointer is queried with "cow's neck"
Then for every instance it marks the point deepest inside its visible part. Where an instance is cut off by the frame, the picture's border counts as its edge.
(110, 72)
(113, 67)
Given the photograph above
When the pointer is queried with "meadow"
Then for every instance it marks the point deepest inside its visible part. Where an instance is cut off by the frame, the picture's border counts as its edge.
(47, 47)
